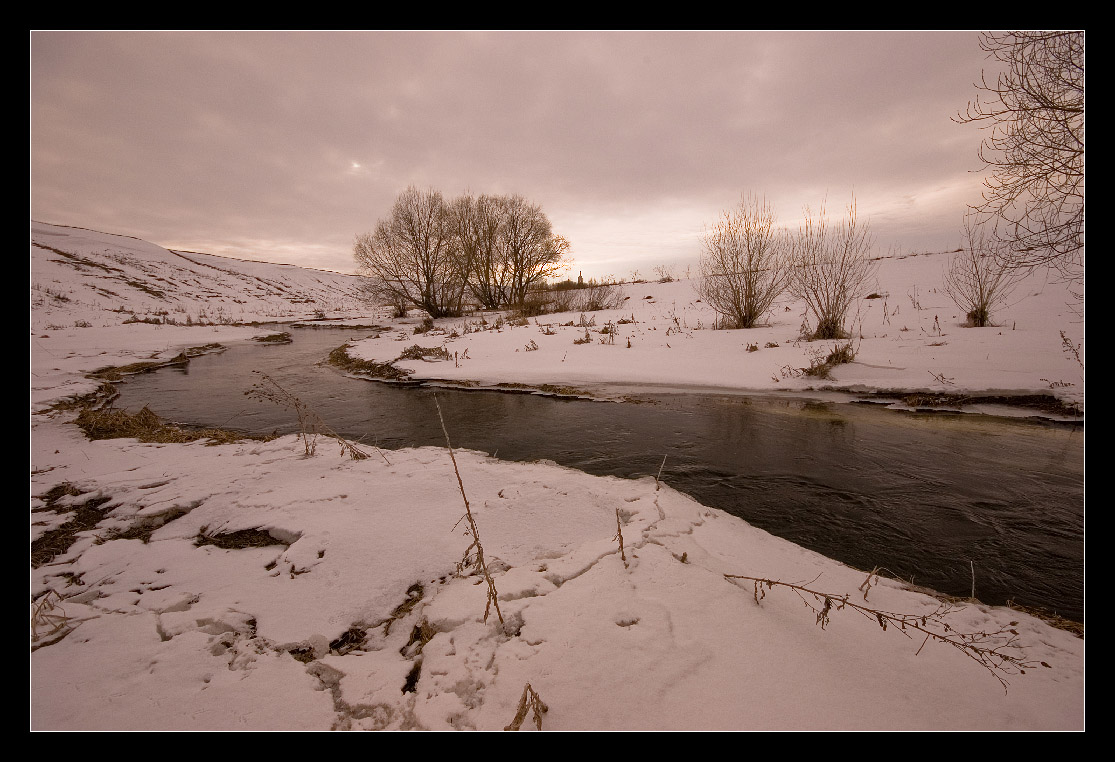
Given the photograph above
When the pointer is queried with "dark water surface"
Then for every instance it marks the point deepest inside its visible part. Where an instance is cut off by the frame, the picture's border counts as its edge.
(922, 495)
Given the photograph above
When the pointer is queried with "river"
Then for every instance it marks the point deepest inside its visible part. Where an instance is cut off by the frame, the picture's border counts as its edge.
(928, 497)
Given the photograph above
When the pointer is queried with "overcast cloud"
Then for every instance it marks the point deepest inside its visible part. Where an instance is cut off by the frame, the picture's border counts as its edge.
(284, 146)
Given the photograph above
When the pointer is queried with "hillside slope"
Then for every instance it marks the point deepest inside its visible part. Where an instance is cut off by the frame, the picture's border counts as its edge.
(84, 276)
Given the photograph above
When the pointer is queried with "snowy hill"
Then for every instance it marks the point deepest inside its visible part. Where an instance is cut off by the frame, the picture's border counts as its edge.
(86, 277)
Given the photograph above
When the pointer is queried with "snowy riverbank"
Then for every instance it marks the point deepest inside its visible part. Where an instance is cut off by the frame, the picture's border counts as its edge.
(246, 586)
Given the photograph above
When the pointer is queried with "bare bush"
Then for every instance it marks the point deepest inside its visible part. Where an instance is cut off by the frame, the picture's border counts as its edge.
(832, 267)
(745, 263)
(599, 296)
(977, 280)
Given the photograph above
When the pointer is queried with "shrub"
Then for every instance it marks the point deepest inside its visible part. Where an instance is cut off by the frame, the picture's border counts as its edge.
(977, 280)
(840, 355)
(744, 264)
(599, 296)
(415, 352)
(831, 269)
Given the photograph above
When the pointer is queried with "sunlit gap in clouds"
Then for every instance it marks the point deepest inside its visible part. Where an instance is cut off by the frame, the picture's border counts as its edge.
(616, 244)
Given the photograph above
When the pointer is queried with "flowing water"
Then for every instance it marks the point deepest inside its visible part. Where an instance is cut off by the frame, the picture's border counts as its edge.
(927, 497)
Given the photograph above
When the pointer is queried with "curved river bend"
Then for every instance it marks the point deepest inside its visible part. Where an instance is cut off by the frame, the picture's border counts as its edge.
(924, 496)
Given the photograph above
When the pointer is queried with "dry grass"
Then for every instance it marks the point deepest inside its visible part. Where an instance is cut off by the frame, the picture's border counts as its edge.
(275, 338)
(244, 538)
(840, 355)
(529, 700)
(146, 426)
(415, 352)
(85, 516)
(383, 371)
(117, 372)
(1053, 620)
(48, 619)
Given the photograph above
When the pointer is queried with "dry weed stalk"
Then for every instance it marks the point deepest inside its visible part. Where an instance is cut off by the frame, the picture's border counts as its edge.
(310, 424)
(48, 617)
(619, 538)
(473, 531)
(529, 700)
(1071, 349)
(997, 651)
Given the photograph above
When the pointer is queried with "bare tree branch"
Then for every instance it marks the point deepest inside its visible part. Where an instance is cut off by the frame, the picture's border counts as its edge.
(1033, 199)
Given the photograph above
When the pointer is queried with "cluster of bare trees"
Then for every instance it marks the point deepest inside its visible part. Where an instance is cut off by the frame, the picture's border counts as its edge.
(747, 263)
(433, 254)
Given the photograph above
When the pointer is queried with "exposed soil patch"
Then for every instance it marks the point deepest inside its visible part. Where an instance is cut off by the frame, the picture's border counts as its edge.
(244, 538)
(331, 323)
(56, 542)
(104, 394)
(561, 391)
(350, 640)
(144, 527)
(275, 338)
(117, 372)
(1042, 403)
(304, 654)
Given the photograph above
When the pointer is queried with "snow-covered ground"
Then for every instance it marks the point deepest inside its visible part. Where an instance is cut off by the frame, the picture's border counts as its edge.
(909, 338)
(356, 616)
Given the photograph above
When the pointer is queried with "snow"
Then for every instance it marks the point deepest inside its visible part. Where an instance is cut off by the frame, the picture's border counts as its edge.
(168, 634)
(911, 338)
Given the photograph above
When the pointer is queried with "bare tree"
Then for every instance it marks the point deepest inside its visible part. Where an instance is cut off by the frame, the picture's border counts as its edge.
(410, 255)
(531, 250)
(477, 224)
(1034, 196)
(744, 264)
(977, 281)
(832, 267)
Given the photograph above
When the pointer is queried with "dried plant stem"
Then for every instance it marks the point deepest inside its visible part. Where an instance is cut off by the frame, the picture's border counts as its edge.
(493, 596)
(1073, 349)
(619, 537)
(48, 615)
(310, 424)
(997, 651)
(529, 700)
(658, 479)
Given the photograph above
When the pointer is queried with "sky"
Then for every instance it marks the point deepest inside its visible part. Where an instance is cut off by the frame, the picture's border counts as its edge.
(283, 146)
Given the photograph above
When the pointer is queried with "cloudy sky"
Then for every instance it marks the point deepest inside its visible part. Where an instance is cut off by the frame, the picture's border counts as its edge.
(284, 146)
